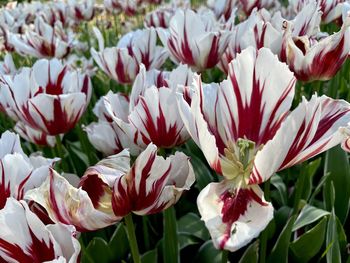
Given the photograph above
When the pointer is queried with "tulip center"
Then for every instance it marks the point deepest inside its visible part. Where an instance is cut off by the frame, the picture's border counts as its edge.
(238, 161)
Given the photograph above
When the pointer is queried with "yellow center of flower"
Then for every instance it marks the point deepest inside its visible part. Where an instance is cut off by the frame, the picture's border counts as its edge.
(238, 161)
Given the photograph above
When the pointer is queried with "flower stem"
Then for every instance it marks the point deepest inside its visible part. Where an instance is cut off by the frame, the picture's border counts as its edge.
(61, 153)
(264, 234)
(132, 238)
(224, 258)
(171, 246)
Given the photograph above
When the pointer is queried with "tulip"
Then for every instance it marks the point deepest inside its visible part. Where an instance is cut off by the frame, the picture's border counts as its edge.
(19, 173)
(81, 10)
(194, 39)
(111, 189)
(247, 133)
(34, 136)
(44, 42)
(120, 125)
(122, 62)
(311, 59)
(49, 97)
(24, 238)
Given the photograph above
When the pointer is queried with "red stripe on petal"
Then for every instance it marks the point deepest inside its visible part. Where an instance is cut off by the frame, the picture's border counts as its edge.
(235, 204)
(5, 191)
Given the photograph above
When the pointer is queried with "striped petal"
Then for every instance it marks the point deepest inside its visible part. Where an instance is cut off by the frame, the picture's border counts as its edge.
(312, 128)
(88, 207)
(233, 216)
(157, 120)
(24, 238)
(152, 184)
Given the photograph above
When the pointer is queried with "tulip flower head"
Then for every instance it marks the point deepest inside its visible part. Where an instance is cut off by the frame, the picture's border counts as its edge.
(49, 97)
(247, 133)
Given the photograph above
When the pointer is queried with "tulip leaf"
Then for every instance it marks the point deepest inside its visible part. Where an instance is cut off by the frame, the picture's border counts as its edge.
(207, 253)
(309, 172)
(308, 245)
(192, 224)
(279, 252)
(308, 215)
(98, 250)
(119, 244)
(186, 239)
(337, 165)
(150, 256)
(202, 172)
(333, 248)
(251, 254)
(280, 195)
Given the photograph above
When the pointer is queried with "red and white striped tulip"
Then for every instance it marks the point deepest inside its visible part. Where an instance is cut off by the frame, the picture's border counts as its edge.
(129, 7)
(256, 31)
(222, 8)
(152, 184)
(247, 6)
(87, 207)
(194, 39)
(153, 115)
(311, 59)
(25, 238)
(34, 136)
(247, 133)
(7, 67)
(159, 17)
(106, 135)
(82, 10)
(19, 173)
(331, 9)
(45, 41)
(111, 189)
(49, 97)
(122, 62)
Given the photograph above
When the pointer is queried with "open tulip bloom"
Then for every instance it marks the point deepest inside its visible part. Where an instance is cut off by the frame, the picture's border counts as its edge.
(247, 133)
(18, 172)
(194, 39)
(149, 115)
(121, 63)
(49, 97)
(112, 189)
(311, 59)
(24, 238)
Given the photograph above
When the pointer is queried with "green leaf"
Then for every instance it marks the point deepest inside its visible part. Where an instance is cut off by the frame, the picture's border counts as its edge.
(202, 172)
(337, 165)
(207, 253)
(333, 249)
(150, 256)
(98, 250)
(308, 215)
(308, 245)
(251, 254)
(309, 172)
(119, 244)
(186, 239)
(342, 237)
(279, 252)
(281, 194)
(193, 225)
(171, 244)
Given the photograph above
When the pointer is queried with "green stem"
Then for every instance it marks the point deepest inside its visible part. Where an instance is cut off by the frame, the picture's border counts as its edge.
(264, 234)
(145, 232)
(132, 238)
(171, 245)
(299, 187)
(224, 258)
(61, 153)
